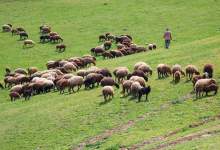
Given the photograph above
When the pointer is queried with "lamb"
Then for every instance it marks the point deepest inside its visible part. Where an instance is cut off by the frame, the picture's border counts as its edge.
(190, 70)
(14, 96)
(209, 69)
(175, 68)
(163, 70)
(108, 92)
(126, 86)
(201, 84)
(210, 88)
(138, 79)
(177, 76)
(142, 91)
(75, 81)
(135, 88)
(108, 81)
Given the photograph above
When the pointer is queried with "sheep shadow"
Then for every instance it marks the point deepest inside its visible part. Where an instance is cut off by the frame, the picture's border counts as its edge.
(173, 82)
(104, 102)
(29, 47)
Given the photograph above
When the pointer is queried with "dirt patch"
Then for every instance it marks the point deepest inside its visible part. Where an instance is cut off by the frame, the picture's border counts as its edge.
(174, 132)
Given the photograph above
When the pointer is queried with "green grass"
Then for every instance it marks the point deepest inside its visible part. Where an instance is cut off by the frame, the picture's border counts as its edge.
(54, 121)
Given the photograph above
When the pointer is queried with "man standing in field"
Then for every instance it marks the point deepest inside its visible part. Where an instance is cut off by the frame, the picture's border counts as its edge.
(167, 37)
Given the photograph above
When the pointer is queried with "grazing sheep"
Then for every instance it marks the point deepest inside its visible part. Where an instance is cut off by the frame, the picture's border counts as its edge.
(28, 42)
(109, 81)
(175, 68)
(108, 92)
(177, 76)
(6, 28)
(143, 67)
(9, 81)
(139, 73)
(44, 29)
(27, 91)
(69, 67)
(107, 55)
(23, 35)
(92, 79)
(44, 38)
(201, 84)
(102, 38)
(120, 73)
(163, 70)
(105, 72)
(14, 95)
(61, 85)
(142, 91)
(126, 86)
(61, 47)
(190, 71)
(56, 39)
(135, 88)
(81, 73)
(198, 77)
(21, 71)
(138, 79)
(88, 61)
(75, 81)
(209, 69)
(97, 51)
(210, 88)
(32, 70)
(152, 46)
(107, 45)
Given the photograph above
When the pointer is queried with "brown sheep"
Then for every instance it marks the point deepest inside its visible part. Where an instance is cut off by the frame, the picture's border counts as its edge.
(69, 67)
(75, 81)
(126, 86)
(139, 73)
(81, 73)
(88, 61)
(143, 67)
(97, 51)
(61, 85)
(105, 72)
(135, 87)
(190, 71)
(120, 73)
(210, 88)
(108, 92)
(138, 79)
(209, 69)
(31, 43)
(107, 55)
(107, 45)
(201, 84)
(21, 71)
(32, 70)
(14, 95)
(108, 81)
(163, 70)
(175, 68)
(177, 76)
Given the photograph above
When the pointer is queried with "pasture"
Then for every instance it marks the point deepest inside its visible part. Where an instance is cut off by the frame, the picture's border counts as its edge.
(56, 121)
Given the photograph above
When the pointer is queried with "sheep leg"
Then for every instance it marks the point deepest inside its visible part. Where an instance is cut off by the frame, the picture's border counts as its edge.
(147, 97)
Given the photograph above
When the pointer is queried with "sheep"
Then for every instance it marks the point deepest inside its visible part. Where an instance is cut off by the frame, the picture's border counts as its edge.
(107, 55)
(61, 85)
(108, 81)
(88, 61)
(69, 67)
(23, 35)
(28, 42)
(32, 70)
(175, 68)
(198, 77)
(177, 76)
(139, 73)
(107, 45)
(21, 71)
(105, 72)
(17, 88)
(120, 73)
(14, 95)
(91, 79)
(108, 92)
(190, 71)
(201, 84)
(9, 81)
(102, 38)
(143, 67)
(210, 88)
(138, 79)
(75, 81)
(61, 47)
(163, 70)
(126, 86)
(152, 46)
(135, 88)
(6, 28)
(81, 73)
(27, 91)
(97, 51)
(142, 91)
(209, 69)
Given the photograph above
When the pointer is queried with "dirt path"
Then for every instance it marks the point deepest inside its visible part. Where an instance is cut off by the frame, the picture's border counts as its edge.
(190, 137)
(126, 126)
(172, 133)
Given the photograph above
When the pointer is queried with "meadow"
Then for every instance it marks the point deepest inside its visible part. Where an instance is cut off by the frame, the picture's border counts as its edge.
(55, 122)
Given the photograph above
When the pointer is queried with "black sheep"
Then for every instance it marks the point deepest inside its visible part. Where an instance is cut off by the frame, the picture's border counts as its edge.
(142, 91)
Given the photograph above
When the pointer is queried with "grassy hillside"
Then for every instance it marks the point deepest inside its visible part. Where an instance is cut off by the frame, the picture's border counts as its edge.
(54, 121)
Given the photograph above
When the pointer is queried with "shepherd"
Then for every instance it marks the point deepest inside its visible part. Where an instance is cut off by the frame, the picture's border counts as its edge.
(167, 37)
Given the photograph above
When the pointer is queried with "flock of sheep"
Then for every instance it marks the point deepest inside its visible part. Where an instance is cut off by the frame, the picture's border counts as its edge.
(124, 43)
(59, 74)
(46, 36)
